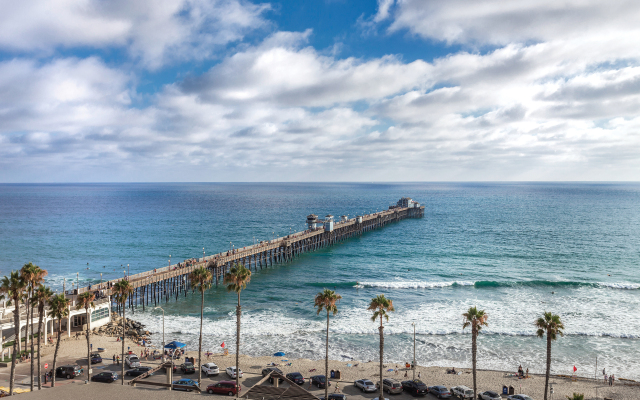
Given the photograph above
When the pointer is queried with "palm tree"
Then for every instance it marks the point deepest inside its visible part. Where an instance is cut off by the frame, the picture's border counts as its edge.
(13, 287)
(32, 276)
(380, 306)
(476, 319)
(85, 300)
(59, 307)
(122, 290)
(201, 279)
(236, 280)
(326, 300)
(552, 326)
(41, 295)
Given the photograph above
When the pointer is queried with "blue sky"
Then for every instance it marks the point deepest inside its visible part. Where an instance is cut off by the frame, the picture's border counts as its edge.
(328, 90)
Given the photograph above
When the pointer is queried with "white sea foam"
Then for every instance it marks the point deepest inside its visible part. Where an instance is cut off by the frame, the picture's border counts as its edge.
(413, 284)
(621, 285)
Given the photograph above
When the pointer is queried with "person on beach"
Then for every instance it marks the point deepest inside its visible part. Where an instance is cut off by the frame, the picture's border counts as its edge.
(418, 374)
(527, 372)
(337, 387)
(611, 380)
(520, 372)
(114, 358)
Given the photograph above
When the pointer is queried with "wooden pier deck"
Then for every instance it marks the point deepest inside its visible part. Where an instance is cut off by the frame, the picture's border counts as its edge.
(151, 287)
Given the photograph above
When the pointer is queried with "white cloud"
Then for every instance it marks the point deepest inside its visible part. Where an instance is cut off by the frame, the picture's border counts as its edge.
(155, 31)
(499, 22)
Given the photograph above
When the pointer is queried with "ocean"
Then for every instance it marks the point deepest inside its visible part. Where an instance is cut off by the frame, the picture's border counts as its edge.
(512, 249)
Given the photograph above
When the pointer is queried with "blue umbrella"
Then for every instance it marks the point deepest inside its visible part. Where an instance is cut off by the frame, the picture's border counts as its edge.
(174, 345)
(279, 354)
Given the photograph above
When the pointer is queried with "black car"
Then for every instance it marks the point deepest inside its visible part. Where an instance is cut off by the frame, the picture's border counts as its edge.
(319, 380)
(137, 371)
(336, 396)
(296, 377)
(96, 358)
(416, 387)
(106, 377)
(69, 371)
(268, 370)
(188, 368)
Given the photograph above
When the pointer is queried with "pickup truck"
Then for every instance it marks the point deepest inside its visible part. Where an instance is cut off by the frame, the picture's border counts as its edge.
(462, 392)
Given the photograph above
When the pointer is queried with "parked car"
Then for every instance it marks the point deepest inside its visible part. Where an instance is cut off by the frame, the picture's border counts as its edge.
(210, 369)
(296, 377)
(489, 395)
(390, 386)
(137, 371)
(231, 371)
(336, 396)
(96, 358)
(224, 387)
(188, 368)
(519, 397)
(185, 382)
(365, 385)
(440, 392)
(375, 398)
(69, 371)
(416, 387)
(319, 380)
(106, 377)
(268, 370)
(462, 392)
(132, 361)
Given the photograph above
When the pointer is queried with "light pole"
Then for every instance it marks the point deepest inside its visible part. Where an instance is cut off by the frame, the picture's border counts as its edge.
(414, 350)
(77, 283)
(128, 272)
(160, 308)
(203, 254)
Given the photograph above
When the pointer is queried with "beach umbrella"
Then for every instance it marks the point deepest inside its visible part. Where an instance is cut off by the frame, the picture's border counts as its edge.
(174, 345)
(279, 354)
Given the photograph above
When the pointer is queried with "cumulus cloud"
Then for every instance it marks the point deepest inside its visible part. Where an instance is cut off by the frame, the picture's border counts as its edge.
(543, 103)
(500, 23)
(153, 31)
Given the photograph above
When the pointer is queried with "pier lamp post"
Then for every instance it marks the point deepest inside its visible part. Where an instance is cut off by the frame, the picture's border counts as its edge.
(128, 272)
(160, 308)
(77, 282)
(414, 350)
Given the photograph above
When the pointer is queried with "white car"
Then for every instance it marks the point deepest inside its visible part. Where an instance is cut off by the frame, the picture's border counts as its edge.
(489, 395)
(132, 361)
(462, 392)
(231, 371)
(365, 385)
(519, 397)
(210, 369)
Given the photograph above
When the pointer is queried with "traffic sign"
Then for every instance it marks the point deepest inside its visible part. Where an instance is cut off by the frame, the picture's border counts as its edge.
(46, 365)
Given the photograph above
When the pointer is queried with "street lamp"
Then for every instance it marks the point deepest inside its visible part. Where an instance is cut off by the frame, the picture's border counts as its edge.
(203, 254)
(414, 350)
(160, 308)
(128, 272)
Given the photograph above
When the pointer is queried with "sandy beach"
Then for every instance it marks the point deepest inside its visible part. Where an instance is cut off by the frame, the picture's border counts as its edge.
(72, 349)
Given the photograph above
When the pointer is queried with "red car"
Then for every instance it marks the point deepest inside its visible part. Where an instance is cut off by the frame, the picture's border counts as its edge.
(224, 387)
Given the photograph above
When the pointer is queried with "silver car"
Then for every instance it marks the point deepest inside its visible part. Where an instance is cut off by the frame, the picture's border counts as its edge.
(365, 385)
(391, 386)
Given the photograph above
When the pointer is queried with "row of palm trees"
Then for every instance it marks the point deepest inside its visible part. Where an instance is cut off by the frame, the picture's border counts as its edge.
(549, 324)
(27, 286)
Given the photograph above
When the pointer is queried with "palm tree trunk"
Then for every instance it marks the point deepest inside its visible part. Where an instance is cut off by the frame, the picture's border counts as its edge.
(40, 316)
(88, 348)
(16, 322)
(30, 323)
(381, 395)
(123, 336)
(546, 378)
(55, 354)
(238, 313)
(326, 362)
(200, 344)
(474, 351)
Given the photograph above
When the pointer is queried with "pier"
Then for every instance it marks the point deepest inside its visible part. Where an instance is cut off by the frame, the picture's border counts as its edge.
(172, 281)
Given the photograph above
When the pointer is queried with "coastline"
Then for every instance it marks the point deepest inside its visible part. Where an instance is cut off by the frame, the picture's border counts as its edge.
(71, 348)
